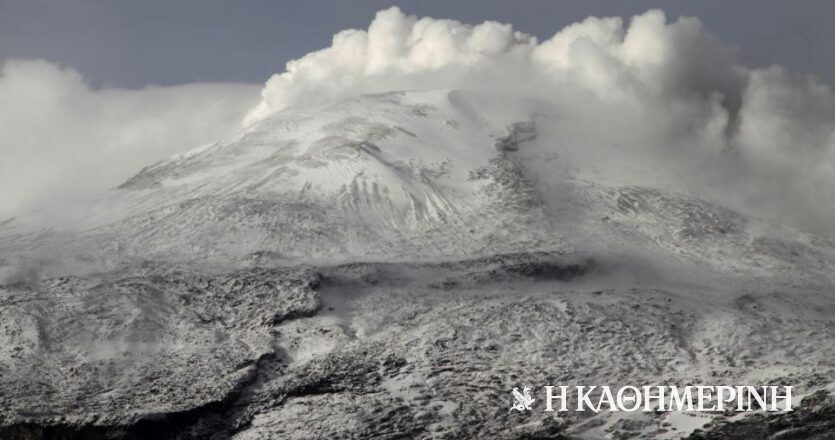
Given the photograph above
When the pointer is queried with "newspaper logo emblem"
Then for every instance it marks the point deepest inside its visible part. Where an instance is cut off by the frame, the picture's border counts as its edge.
(523, 401)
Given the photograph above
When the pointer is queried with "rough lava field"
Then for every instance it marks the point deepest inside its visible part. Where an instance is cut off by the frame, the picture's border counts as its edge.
(391, 266)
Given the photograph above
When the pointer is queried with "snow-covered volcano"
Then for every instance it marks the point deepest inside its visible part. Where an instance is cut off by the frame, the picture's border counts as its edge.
(404, 259)
(396, 174)
(414, 176)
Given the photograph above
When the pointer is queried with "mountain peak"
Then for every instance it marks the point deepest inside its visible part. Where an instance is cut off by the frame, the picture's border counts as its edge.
(418, 172)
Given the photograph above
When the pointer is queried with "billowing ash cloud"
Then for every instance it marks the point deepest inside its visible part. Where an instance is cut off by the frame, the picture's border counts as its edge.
(650, 57)
(60, 140)
(398, 52)
(666, 91)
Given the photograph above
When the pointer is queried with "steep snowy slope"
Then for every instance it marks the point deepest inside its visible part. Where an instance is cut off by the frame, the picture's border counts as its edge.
(415, 174)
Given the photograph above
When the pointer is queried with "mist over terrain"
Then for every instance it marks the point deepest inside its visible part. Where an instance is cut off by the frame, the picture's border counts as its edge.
(62, 142)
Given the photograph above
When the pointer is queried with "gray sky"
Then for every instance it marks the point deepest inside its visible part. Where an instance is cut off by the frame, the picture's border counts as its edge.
(133, 43)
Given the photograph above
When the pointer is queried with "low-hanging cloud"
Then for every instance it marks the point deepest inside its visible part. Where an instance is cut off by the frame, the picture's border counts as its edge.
(666, 90)
(61, 141)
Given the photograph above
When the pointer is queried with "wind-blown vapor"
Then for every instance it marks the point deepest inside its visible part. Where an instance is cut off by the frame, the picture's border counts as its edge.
(61, 141)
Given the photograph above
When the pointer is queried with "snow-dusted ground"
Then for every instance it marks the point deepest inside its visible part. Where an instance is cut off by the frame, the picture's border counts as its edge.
(394, 265)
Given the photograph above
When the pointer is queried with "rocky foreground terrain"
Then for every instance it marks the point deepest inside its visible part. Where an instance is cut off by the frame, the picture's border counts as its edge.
(392, 266)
